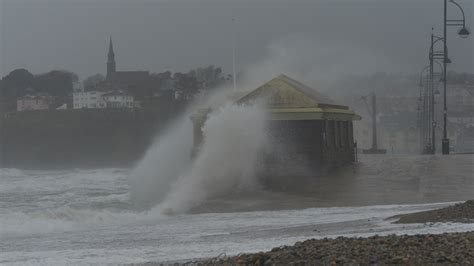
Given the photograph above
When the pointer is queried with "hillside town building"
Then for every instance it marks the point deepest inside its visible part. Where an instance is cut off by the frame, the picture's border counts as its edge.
(33, 103)
(89, 99)
(102, 99)
(117, 99)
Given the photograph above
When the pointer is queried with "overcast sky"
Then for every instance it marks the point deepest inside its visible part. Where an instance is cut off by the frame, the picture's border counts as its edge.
(355, 35)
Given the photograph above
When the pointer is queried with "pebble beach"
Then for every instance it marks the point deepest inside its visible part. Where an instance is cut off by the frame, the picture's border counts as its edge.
(429, 249)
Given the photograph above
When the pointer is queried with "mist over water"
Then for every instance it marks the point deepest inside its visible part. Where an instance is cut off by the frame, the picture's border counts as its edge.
(167, 176)
(319, 63)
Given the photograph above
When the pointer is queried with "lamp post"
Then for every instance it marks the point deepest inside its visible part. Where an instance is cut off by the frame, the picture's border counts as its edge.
(423, 108)
(431, 117)
(463, 32)
(426, 115)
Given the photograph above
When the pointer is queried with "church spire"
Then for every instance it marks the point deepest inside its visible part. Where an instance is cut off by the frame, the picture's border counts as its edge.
(110, 60)
(111, 47)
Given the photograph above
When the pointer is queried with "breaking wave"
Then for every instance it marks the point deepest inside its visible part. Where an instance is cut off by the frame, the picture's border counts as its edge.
(42, 202)
(168, 179)
(227, 160)
(167, 159)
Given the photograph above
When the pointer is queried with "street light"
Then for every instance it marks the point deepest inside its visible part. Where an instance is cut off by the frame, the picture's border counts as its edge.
(421, 75)
(435, 91)
(424, 111)
(440, 73)
(430, 102)
(463, 32)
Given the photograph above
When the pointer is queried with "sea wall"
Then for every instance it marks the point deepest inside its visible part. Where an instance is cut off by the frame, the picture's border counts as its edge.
(85, 138)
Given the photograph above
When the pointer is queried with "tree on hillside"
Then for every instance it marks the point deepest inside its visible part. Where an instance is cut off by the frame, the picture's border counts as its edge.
(15, 83)
(163, 76)
(2, 91)
(90, 83)
(56, 83)
(158, 79)
(162, 84)
(186, 85)
(208, 77)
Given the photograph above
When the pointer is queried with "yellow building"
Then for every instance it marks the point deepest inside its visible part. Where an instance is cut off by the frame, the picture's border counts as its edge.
(317, 130)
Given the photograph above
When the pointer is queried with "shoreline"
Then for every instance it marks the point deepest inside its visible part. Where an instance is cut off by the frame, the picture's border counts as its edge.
(444, 248)
(457, 213)
(420, 243)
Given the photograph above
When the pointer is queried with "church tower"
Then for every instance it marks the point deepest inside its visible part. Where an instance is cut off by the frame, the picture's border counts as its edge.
(110, 61)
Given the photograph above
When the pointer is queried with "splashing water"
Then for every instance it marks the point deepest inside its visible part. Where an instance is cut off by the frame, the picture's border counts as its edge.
(226, 163)
(163, 163)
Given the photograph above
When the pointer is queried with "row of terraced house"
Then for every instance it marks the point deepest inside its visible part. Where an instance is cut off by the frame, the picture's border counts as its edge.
(80, 100)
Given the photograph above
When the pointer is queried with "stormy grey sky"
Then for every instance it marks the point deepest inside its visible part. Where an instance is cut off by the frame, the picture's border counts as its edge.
(358, 36)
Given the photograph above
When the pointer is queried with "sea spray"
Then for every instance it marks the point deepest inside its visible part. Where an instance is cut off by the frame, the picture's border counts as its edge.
(163, 163)
(170, 156)
(234, 135)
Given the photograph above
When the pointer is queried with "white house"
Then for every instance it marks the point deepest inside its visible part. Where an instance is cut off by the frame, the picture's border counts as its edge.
(88, 99)
(118, 99)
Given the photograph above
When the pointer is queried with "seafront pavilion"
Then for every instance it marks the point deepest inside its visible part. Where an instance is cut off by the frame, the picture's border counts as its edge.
(314, 130)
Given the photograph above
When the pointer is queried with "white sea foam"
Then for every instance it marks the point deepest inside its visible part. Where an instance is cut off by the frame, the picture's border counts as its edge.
(68, 219)
(40, 202)
(145, 237)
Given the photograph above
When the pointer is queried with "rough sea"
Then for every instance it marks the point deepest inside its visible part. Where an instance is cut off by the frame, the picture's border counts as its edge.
(86, 216)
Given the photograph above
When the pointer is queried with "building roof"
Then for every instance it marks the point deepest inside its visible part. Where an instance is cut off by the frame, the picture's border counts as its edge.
(288, 99)
(285, 92)
(35, 97)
